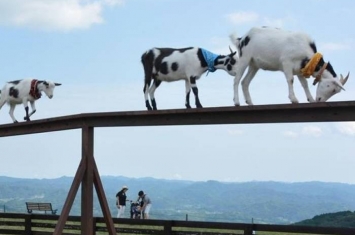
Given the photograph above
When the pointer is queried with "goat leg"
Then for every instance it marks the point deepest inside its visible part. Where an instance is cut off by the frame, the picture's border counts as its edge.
(187, 102)
(154, 104)
(27, 117)
(197, 100)
(148, 105)
(11, 112)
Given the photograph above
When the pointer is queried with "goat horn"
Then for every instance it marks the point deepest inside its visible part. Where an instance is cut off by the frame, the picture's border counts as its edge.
(230, 49)
(344, 80)
(57, 84)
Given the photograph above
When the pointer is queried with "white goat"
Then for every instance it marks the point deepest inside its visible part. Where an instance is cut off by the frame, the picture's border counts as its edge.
(170, 64)
(24, 91)
(290, 52)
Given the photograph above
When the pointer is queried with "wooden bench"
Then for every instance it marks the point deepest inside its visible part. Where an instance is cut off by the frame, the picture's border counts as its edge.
(40, 206)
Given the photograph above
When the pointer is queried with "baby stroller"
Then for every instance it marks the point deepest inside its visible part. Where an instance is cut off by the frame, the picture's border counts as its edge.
(135, 210)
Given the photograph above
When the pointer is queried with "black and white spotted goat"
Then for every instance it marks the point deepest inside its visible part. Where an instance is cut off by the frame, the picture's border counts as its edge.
(170, 64)
(292, 53)
(24, 91)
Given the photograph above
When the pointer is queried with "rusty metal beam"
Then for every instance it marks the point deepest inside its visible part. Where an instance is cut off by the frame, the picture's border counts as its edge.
(281, 113)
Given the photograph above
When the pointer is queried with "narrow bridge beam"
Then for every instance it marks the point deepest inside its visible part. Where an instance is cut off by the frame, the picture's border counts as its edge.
(281, 113)
(87, 174)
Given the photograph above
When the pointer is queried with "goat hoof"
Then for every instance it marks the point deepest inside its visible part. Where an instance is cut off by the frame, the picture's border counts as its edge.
(311, 100)
(188, 106)
(16, 121)
(293, 100)
(149, 108)
(199, 106)
(155, 108)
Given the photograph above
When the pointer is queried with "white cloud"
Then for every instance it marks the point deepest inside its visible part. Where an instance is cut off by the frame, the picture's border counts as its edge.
(113, 2)
(242, 17)
(253, 17)
(347, 128)
(177, 176)
(41, 196)
(312, 131)
(332, 46)
(277, 23)
(290, 134)
(4, 200)
(53, 15)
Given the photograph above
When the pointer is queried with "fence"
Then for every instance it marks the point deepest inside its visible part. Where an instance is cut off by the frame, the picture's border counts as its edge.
(39, 224)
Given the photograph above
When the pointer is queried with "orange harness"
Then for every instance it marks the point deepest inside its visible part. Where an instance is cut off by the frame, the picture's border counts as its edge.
(308, 70)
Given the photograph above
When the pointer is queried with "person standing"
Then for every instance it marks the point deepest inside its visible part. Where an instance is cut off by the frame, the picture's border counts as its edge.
(147, 204)
(121, 201)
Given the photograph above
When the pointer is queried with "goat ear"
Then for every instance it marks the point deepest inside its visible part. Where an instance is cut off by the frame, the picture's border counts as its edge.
(320, 64)
(45, 83)
(227, 61)
(58, 84)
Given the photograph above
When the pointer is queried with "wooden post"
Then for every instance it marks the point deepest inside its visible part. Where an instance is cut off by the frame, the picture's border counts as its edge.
(168, 227)
(87, 174)
(87, 190)
(103, 202)
(28, 227)
(70, 198)
(248, 230)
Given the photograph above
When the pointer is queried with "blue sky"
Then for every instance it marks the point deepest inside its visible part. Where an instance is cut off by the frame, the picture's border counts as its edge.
(93, 48)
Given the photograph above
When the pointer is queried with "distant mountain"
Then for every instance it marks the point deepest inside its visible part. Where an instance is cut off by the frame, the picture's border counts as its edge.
(345, 219)
(264, 202)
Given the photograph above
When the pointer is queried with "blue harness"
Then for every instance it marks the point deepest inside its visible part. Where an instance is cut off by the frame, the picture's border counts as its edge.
(209, 58)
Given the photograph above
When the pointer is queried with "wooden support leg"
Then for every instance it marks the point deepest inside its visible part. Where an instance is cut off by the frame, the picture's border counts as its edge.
(70, 199)
(88, 175)
(87, 190)
(103, 202)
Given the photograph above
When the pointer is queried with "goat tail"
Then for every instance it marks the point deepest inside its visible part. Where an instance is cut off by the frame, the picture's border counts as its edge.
(234, 39)
(146, 55)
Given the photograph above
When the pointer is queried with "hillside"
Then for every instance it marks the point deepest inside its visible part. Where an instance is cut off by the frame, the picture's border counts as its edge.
(345, 219)
(265, 202)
